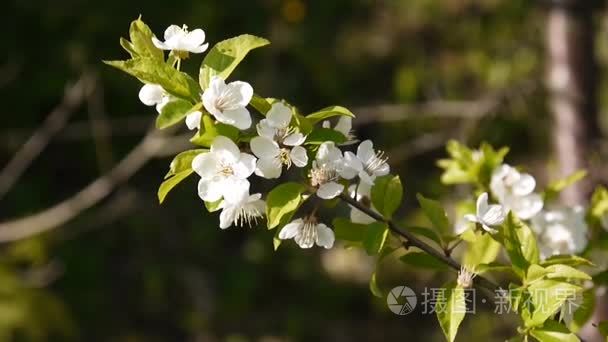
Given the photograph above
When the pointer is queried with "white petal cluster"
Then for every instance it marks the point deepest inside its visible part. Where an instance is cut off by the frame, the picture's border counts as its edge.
(154, 95)
(223, 170)
(307, 232)
(240, 208)
(561, 231)
(367, 163)
(179, 39)
(324, 174)
(361, 193)
(227, 102)
(515, 191)
(487, 215)
(193, 120)
(277, 145)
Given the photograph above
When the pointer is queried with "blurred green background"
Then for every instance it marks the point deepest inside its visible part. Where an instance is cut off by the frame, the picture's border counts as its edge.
(130, 270)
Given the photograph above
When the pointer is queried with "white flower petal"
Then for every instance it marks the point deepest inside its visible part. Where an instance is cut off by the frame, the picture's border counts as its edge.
(172, 32)
(298, 156)
(471, 218)
(235, 190)
(159, 44)
(265, 130)
(329, 190)
(344, 125)
(245, 166)
(291, 229)
(365, 151)
(210, 191)
(237, 117)
(325, 236)
(366, 178)
(193, 120)
(225, 149)
(237, 94)
(482, 204)
(524, 186)
(206, 165)
(352, 166)
(196, 37)
(528, 206)
(279, 115)
(227, 216)
(494, 215)
(294, 139)
(264, 147)
(489, 229)
(302, 241)
(151, 94)
(268, 168)
(328, 152)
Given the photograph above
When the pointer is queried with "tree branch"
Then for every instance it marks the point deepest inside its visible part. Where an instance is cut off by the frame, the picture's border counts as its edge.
(414, 241)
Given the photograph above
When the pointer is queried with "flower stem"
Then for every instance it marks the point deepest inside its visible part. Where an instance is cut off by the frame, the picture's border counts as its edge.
(412, 240)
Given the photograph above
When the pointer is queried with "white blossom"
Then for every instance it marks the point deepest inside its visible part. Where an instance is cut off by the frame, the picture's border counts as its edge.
(179, 39)
(306, 232)
(222, 169)
(193, 120)
(367, 163)
(154, 95)
(561, 231)
(514, 190)
(240, 208)
(277, 144)
(324, 173)
(465, 277)
(487, 215)
(227, 102)
(344, 126)
(361, 192)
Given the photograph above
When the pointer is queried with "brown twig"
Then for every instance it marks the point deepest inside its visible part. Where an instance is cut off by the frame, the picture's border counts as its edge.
(413, 241)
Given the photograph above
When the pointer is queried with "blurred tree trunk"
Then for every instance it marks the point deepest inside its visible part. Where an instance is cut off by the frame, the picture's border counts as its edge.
(571, 84)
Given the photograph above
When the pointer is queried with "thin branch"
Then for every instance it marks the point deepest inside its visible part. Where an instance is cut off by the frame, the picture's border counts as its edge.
(97, 190)
(100, 128)
(73, 97)
(412, 240)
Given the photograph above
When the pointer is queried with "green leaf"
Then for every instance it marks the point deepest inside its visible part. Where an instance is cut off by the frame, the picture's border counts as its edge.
(375, 236)
(346, 230)
(224, 57)
(282, 202)
(183, 161)
(170, 183)
(387, 193)
(493, 267)
(434, 212)
(174, 112)
(483, 251)
(570, 260)
(211, 129)
(567, 272)
(327, 113)
(373, 286)
(603, 328)
(452, 308)
(547, 297)
(141, 41)
(213, 206)
(422, 260)
(128, 47)
(302, 123)
(320, 135)
(553, 332)
(520, 244)
(583, 313)
(554, 188)
(260, 104)
(426, 232)
(154, 71)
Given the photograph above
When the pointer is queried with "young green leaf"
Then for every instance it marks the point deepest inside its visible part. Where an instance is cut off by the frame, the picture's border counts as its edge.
(422, 260)
(141, 41)
(547, 297)
(570, 260)
(554, 188)
(450, 309)
(211, 129)
(154, 71)
(213, 206)
(282, 202)
(387, 193)
(553, 332)
(435, 213)
(583, 312)
(327, 113)
(520, 244)
(226, 55)
(170, 183)
(373, 286)
(374, 238)
(183, 161)
(260, 104)
(174, 112)
(483, 251)
(346, 230)
(320, 135)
